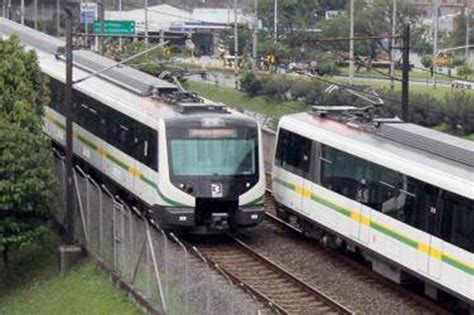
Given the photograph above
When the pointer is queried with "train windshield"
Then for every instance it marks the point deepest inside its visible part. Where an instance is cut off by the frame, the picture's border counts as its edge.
(214, 152)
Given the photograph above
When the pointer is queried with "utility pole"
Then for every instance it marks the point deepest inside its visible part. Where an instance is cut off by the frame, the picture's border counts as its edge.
(69, 253)
(36, 14)
(275, 20)
(146, 21)
(236, 47)
(392, 45)
(22, 12)
(435, 39)
(58, 16)
(468, 22)
(255, 36)
(9, 9)
(405, 72)
(351, 44)
(102, 31)
(69, 236)
(120, 10)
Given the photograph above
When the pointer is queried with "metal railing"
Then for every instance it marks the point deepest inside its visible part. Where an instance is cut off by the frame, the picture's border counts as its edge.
(152, 263)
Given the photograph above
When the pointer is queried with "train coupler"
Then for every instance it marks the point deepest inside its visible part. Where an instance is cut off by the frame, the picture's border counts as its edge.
(219, 221)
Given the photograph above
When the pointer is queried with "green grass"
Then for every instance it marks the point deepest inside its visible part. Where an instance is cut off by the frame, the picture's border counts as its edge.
(240, 100)
(470, 137)
(414, 74)
(276, 109)
(439, 92)
(32, 285)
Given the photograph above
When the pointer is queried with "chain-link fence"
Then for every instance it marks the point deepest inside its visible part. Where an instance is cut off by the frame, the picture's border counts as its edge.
(172, 278)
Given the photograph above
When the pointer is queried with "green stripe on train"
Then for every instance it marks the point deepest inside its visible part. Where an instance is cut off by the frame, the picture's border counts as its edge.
(151, 183)
(395, 235)
(256, 202)
(123, 165)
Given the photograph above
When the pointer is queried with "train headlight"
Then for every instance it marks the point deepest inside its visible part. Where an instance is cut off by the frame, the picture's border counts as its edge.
(186, 188)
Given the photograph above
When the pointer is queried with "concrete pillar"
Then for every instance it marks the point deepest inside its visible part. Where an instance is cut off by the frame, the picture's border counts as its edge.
(68, 257)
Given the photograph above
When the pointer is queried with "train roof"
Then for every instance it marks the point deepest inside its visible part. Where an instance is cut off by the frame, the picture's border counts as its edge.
(123, 88)
(401, 155)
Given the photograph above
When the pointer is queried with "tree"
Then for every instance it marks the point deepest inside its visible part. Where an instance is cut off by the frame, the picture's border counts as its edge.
(27, 181)
(244, 37)
(372, 18)
(293, 15)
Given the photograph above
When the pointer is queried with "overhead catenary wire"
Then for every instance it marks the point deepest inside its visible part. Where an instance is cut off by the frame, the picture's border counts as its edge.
(354, 88)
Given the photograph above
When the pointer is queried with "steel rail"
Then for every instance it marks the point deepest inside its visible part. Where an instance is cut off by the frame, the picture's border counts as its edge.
(284, 292)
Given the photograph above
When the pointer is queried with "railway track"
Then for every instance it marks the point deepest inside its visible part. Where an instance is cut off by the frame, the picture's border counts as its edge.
(344, 264)
(271, 283)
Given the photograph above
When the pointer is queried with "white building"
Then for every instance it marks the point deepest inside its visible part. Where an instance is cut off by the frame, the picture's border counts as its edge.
(168, 18)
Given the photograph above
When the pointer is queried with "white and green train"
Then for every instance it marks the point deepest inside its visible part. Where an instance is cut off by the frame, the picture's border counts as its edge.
(400, 194)
(195, 164)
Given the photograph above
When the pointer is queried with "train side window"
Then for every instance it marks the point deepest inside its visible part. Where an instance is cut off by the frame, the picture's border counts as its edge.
(57, 95)
(386, 195)
(457, 221)
(283, 140)
(293, 153)
(345, 174)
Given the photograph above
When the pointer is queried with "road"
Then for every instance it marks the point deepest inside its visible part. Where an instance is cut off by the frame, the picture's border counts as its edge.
(227, 79)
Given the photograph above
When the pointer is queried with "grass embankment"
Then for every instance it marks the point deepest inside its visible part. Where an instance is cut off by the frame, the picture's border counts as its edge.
(416, 74)
(272, 108)
(32, 285)
(240, 100)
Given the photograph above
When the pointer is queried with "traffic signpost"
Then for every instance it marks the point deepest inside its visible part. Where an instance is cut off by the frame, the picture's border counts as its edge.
(88, 12)
(87, 16)
(114, 28)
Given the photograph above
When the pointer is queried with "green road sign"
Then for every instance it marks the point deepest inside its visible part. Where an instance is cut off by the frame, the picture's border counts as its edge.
(115, 27)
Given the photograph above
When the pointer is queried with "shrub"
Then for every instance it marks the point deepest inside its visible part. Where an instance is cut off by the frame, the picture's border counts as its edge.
(308, 91)
(465, 71)
(427, 61)
(327, 64)
(251, 85)
(276, 87)
(459, 60)
(458, 112)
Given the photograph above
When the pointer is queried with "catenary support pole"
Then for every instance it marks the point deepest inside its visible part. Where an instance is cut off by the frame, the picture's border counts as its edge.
(392, 45)
(22, 12)
(236, 48)
(58, 17)
(102, 30)
(468, 31)
(435, 38)
(69, 235)
(146, 21)
(36, 14)
(351, 44)
(255, 36)
(275, 20)
(120, 10)
(406, 72)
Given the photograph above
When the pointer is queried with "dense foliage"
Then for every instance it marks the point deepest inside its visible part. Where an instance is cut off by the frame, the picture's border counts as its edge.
(302, 22)
(27, 182)
(455, 112)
